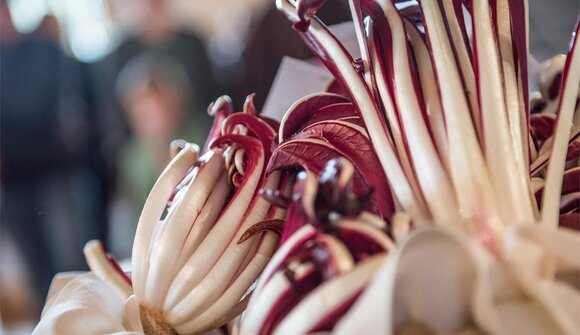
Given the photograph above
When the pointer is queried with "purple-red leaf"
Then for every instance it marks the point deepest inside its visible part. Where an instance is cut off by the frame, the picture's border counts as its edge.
(311, 109)
(256, 126)
(311, 155)
(273, 225)
(353, 142)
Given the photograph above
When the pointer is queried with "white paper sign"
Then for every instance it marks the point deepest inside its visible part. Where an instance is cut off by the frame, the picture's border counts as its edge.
(297, 78)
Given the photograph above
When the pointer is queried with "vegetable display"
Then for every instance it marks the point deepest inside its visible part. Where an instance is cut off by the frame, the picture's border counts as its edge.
(426, 192)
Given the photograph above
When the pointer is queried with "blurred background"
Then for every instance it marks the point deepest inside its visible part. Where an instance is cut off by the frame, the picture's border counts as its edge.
(93, 91)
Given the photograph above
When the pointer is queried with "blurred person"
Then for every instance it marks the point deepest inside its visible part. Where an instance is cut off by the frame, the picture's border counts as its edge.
(153, 89)
(51, 190)
(156, 31)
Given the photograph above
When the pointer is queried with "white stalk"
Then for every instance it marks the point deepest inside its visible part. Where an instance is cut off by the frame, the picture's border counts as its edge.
(205, 220)
(359, 25)
(566, 106)
(466, 68)
(152, 211)
(472, 182)
(209, 318)
(168, 245)
(388, 105)
(207, 254)
(223, 271)
(101, 266)
(430, 93)
(429, 170)
(508, 181)
(515, 112)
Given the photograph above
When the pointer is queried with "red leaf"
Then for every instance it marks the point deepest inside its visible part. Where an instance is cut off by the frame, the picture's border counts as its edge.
(308, 110)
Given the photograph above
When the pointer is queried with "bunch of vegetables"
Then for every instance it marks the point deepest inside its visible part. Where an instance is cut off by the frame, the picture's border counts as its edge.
(426, 193)
(195, 253)
(321, 268)
(484, 188)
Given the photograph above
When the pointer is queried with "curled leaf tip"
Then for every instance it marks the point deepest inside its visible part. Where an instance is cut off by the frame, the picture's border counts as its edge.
(222, 103)
(249, 107)
(273, 225)
(176, 146)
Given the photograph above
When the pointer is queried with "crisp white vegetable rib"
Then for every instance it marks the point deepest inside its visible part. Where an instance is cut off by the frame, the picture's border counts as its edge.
(434, 182)
(171, 209)
(508, 181)
(182, 189)
(430, 94)
(512, 89)
(206, 219)
(209, 288)
(468, 172)
(517, 111)
(395, 129)
(170, 213)
(210, 317)
(328, 296)
(510, 85)
(566, 106)
(168, 246)
(100, 265)
(462, 57)
(255, 244)
(213, 245)
(525, 111)
(359, 24)
(152, 211)
(381, 142)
